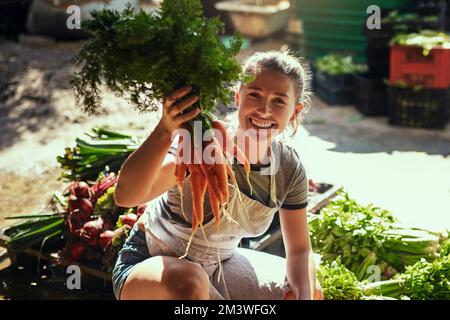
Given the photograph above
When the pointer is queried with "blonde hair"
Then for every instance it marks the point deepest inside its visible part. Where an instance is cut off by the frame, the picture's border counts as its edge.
(293, 67)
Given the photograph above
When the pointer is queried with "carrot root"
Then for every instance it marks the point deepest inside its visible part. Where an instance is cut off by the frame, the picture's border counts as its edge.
(229, 217)
(244, 161)
(188, 245)
(180, 173)
(204, 234)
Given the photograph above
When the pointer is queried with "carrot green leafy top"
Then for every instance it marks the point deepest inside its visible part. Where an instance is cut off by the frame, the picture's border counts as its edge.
(143, 57)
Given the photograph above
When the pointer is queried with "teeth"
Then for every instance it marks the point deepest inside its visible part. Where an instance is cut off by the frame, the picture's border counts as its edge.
(261, 124)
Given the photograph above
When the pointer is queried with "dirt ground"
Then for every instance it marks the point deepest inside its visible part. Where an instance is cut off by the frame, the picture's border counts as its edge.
(39, 118)
(405, 170)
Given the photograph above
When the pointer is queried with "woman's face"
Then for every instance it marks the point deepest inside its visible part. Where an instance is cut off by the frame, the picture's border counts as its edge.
(268, 103)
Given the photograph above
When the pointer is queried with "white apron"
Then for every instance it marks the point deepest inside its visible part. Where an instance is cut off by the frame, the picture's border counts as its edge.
(168, 238)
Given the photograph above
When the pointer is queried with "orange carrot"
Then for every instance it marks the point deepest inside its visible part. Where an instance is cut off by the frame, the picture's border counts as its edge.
(198, 189)
(222, 179)
(215, 207)
(240, 156)
(211, 179)
(220, 170)
(230, 173)
(226, 142)
(180, 173)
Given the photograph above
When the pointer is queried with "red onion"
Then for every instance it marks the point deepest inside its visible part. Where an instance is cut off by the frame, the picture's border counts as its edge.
(92, 229)
(141, 209)
(106, 238)
(129, 219)
(80, 189)
(76, 251)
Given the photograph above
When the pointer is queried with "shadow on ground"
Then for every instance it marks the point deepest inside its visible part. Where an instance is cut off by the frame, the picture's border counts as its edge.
(28, 77)
(351, 132)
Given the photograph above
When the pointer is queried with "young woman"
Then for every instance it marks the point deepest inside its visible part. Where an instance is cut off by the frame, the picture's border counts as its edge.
(148, 266)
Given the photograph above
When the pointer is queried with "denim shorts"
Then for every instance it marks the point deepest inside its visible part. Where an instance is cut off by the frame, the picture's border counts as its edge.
(134, 250)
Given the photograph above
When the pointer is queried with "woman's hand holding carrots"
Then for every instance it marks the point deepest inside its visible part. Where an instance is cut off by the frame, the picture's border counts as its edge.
(174, 115)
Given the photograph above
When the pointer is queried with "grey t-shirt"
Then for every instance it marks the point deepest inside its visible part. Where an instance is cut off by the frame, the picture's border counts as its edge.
(290, 180)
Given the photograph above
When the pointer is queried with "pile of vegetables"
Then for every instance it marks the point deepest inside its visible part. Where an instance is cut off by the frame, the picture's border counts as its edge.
(37, 229)
(422, 281)
(335, 64)
(105, 152)
(395, 16)
(85, 225)
(146, 57)
(425, 39)
(338, 283)
(98, 233)
(362, 236)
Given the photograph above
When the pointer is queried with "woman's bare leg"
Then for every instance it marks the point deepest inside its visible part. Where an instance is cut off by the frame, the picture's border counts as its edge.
(166, 278)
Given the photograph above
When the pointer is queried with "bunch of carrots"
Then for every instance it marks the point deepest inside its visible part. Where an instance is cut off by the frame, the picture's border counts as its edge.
(209, 177)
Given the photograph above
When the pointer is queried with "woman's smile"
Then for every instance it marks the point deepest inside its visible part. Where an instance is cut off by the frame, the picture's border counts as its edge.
(259, 123)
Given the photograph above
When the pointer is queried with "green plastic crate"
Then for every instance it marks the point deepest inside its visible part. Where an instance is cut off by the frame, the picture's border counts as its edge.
(337, 26)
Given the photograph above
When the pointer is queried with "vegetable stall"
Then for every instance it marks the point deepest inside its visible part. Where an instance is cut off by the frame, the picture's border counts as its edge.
(366, 253)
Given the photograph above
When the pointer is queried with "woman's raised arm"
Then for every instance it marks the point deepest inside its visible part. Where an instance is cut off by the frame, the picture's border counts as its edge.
(142, 168)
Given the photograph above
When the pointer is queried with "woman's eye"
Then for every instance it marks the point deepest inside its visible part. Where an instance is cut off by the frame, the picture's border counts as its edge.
(279, 102)
(254, 94)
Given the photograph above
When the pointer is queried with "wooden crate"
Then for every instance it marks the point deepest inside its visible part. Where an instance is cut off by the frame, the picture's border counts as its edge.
(51, 258)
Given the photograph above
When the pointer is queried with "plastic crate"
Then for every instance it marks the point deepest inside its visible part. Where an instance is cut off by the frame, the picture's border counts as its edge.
(409, 65)
(334, 82)
(370, 95)
(426, 108)
(334, 97)
(430, 7)
(380, 37)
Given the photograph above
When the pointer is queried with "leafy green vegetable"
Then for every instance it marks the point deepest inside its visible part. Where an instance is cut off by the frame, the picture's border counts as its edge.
(335, 64)
(105, 152)
(422, 281)
(427, 280)
(445, 248)
(397, 16)
(145, 57)
(362, 236)
(339, 283)
(36, 230)
(350, 231)
(106, 204)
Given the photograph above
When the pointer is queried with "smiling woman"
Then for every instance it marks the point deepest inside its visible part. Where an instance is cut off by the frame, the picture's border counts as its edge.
(214, 267)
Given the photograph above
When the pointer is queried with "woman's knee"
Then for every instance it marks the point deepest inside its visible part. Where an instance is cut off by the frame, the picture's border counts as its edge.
(187, 281)
(143, 282)
(166, 278)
